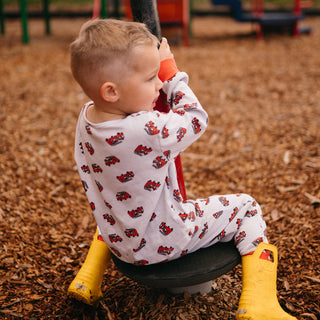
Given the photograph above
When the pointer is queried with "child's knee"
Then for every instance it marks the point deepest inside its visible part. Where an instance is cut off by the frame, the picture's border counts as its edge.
(247, 197)
(248, 200)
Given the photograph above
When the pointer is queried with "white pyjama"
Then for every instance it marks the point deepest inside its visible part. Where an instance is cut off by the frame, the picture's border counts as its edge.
(128, 172)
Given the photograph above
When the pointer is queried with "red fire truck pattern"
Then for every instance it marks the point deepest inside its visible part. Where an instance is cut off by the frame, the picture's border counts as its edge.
(197, 219)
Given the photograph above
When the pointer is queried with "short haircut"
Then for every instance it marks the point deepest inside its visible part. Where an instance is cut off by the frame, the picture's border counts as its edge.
(100, 44)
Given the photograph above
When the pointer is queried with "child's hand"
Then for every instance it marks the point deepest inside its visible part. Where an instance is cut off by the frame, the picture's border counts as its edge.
(164, 50)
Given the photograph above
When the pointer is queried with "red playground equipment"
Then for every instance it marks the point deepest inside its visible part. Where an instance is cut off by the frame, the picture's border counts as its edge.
(172, 13)
(267, 21)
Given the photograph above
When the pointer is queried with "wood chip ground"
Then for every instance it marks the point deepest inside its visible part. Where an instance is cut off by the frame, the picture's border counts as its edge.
(263, 100)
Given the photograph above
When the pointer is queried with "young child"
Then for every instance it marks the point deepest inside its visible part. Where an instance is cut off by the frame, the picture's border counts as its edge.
(125, 153)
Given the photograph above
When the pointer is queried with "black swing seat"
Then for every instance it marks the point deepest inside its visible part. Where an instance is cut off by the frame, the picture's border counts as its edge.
(192, 269)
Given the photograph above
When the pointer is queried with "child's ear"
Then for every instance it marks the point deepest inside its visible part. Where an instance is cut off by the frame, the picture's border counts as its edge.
(109, 92)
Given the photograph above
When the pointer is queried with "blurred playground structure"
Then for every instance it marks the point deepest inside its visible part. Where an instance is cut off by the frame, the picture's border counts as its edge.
(177, 14)
(268, 21)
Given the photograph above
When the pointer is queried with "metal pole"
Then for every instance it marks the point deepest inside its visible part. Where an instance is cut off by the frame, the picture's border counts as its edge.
(146, 11)
(2, 17)
(24, 21)
(116, 9)
(46, 15)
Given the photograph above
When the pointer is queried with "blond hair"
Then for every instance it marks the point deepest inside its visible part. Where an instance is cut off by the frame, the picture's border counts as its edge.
(100, 44)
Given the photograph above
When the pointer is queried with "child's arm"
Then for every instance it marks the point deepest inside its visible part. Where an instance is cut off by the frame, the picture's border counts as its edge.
(187, 120)
(168, 67)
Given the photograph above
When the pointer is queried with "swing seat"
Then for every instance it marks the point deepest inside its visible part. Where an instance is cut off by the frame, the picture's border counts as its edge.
(192, 273)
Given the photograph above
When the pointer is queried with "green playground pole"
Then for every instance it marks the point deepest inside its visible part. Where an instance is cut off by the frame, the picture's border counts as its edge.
(2, 18)
(24, 21)
(46, 15)
(103, 10)
(116, 9)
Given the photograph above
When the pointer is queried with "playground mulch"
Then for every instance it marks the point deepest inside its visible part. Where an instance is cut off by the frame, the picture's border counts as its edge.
(262, 98)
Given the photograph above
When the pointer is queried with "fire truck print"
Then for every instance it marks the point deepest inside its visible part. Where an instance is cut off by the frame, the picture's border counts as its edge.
(141, 245)
(89, 148)
(109, 218)
(189, 106)
(96, 168)
(224, 201)
(136, 212)
(251, 213)
(257, 241)
(179, 112)
(85, 185)
(114, 238)
(181, 133)
(167, 180)
(177, 195)
(164, 229)
(85, 169)
(240, 237)
(141, 150)
(99, 185)
(92, 206)
(151, 129)
(81, 147)
(184, 252)
(152, 185)
(183, 216)
(125, 177)
(196, 125)
(141, 263)
(206, 201)
(114, 140)
(218, 214)
(165, 132)
(153, 216)
(111, 160)
(221, 235)
(204, 230)
(165, 250)
(159, 162)
(191, 216)
(167, 154)
(108, 205)
(131, 233)
(192, 234)
(88, 129)
(122, 195)
(239, 221)
(234, 213)
(178, 97)
(199, 212)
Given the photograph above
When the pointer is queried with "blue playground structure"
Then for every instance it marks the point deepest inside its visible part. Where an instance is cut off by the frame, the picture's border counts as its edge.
(268, 21)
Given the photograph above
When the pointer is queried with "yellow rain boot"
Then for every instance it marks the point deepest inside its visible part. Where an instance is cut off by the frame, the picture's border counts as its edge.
(258, 299)
(86, 286)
